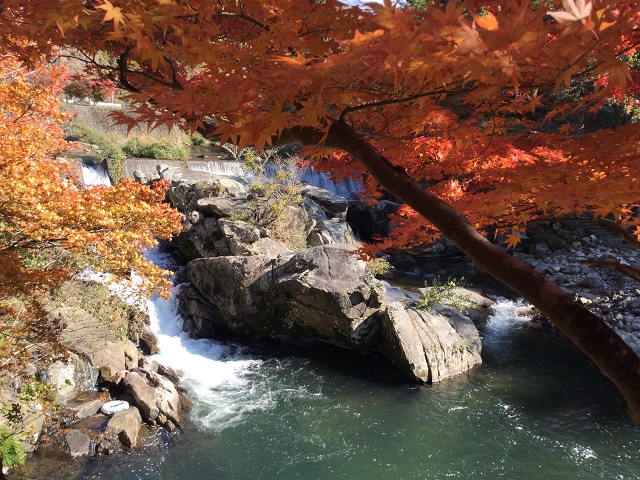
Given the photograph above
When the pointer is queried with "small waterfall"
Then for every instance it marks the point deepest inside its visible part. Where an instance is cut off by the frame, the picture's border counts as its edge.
(93, 173)
(226, 168)
(221, 377)
(348, 188)
(506, 316)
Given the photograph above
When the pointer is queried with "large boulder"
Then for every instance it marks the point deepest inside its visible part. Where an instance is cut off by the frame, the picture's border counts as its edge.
(330, 295)
(323, 293)
(184, 195)
(331, 231)
(333, 205)
(236, 293)
(156, 397)
(126, 426)
(429, 346)
(98, 334)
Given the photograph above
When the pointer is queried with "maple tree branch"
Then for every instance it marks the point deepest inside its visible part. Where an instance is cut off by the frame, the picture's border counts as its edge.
(392, 101)
(590, 333)
(122, 64)
(243, 16)
(624, 234)
(174, 74)
(615, 264)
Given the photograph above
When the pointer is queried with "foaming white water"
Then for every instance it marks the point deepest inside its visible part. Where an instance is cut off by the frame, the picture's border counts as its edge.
(95, 176)
(217, 375)
(224, 381)
(507, 315)
(227, 168)
(221, 378)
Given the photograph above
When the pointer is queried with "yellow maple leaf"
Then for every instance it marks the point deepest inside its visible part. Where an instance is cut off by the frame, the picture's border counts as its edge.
(112, 13)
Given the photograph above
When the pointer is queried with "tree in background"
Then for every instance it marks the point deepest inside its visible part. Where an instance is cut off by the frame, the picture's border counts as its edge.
(50, 224)
(95, 90)
(468, 104)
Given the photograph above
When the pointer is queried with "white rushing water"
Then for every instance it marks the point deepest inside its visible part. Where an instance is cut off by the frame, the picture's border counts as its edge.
(95, 176)
(505, 316)
(225, 168)
(220, 376)
(347, 188)
(216, 374)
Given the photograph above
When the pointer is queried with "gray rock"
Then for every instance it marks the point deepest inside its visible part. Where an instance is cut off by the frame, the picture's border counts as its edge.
(199, 319)
(78, 443)
(87, 409)
(126, 425)
(234, 187)
(149, 343)
(169, 373)
(328, 232)
(95, 340)
(333, 205)
(155, 396)
(69, 377)
(332, 295)
(429, 346)
(235, 291)
(144, 396)
(239, 230)
(323, 293)
(221, 207)
(111, 374)
(270, 248)
(140, 177)
(194, 185)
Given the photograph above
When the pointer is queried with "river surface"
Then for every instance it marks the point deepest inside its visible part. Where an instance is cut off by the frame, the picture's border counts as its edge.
(535, 409)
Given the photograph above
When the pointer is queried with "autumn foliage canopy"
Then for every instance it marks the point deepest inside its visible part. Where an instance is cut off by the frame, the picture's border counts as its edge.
(485, 101)
(50, 224)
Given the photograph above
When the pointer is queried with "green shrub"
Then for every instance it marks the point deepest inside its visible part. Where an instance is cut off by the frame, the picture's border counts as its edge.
(109, 149)
(106, 143)
(199, 139)
(440, 292)
(11, 450)
(155, 147)
(379, 266)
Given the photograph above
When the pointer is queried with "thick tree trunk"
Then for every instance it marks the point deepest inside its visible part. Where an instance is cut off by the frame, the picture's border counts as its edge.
(590, 333)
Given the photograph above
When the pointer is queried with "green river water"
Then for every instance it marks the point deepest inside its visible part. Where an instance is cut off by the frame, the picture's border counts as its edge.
(536, 409)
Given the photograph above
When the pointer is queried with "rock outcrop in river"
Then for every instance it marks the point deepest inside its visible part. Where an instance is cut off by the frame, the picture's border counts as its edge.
(247, 279)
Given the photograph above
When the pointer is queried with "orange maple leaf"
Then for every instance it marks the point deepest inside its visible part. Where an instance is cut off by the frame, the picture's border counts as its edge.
(513, 240)
(112, 13)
